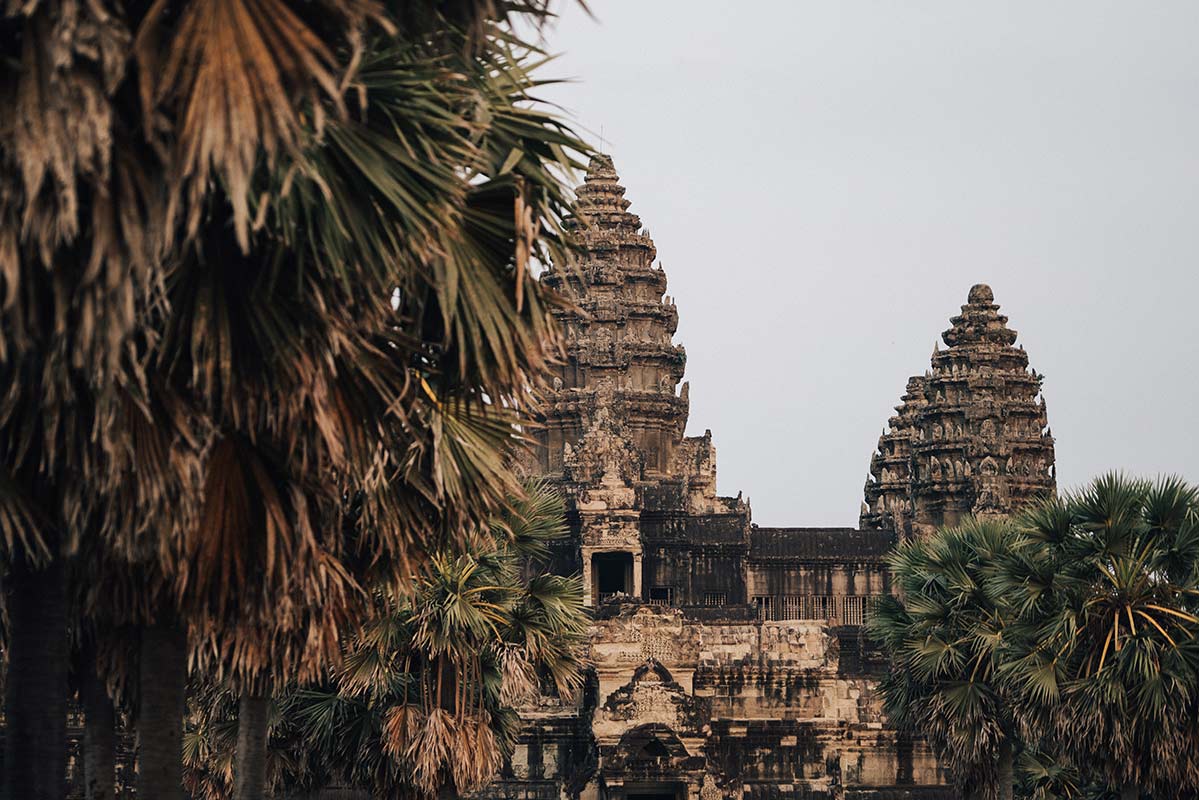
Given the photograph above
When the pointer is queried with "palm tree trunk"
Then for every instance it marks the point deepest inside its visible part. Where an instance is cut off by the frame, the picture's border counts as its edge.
(1130, 791)
(1005, 775)
(252, 732)
(162, 687)
(35, 703)
(99, 737)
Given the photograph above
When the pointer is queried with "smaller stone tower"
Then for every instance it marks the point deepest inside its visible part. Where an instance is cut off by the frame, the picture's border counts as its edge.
(977, 438)
(888, 503)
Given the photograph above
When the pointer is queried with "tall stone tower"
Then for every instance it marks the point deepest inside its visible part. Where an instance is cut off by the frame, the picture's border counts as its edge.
(619, 347)
(612, 432)
(970, 436)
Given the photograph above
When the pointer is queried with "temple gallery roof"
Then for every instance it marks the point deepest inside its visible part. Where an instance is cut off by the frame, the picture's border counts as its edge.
(837, 544)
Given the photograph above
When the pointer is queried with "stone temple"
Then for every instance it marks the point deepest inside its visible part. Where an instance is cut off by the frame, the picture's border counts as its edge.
(730, 659)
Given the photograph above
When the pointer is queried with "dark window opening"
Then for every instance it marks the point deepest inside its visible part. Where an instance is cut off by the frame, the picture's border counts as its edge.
(612, 574)
(547, 686)
(765, 605)
(659, 792)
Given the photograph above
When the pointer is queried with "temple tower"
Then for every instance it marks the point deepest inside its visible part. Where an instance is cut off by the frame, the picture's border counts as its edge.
(976, 430)
(729, 659)
(614, 419)
(619, 344)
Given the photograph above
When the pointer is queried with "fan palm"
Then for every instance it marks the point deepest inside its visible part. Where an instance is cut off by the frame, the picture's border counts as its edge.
(423, 699)
(319, 268)
(944, 634)
(1104, 655)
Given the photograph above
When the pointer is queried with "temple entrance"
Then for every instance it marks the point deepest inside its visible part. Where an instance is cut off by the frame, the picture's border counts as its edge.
(611, 573)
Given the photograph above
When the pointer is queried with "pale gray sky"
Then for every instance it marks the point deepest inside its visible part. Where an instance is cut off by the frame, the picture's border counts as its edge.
(826, 180)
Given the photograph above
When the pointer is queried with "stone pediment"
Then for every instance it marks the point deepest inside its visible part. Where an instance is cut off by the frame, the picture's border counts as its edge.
(652, 696)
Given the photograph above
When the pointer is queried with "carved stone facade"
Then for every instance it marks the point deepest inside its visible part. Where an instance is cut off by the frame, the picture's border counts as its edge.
(729, 659)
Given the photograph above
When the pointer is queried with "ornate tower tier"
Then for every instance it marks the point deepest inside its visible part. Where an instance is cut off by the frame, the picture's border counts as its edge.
(976, 430)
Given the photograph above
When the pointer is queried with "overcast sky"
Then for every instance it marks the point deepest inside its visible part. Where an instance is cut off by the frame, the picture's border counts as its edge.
(826, 180)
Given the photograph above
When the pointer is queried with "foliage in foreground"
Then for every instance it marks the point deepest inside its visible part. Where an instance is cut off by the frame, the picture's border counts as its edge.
(1071, 630)
(944, 634)
(425, 695)
(268, 326)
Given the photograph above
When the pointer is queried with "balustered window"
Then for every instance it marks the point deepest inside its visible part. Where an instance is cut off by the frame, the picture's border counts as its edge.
(661, 596)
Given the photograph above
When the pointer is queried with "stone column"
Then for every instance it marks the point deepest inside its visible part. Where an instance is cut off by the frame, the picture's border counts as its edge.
(588, 599)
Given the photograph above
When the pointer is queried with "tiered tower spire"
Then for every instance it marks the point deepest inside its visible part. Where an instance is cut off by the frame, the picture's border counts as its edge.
(614, 418)
(976, 429)
(619, 352)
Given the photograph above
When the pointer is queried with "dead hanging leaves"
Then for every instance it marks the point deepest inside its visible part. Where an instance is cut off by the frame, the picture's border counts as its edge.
(236, 76)
(79, 215)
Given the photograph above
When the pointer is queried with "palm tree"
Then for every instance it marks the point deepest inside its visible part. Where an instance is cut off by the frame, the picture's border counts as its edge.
(438, 191)
(423, 700)
(944, 635)
(432, 469)
(321, 261)
(1103, 655)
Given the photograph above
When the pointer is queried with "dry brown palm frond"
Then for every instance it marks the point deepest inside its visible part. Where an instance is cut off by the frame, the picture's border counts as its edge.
(432, 749)
(61, 128)
(517, 675)
(21, 523)
(298, 638)
(401, 725)
(251, 537)
(477, 754)
(79, 205)
(235, 75)
(148, 495)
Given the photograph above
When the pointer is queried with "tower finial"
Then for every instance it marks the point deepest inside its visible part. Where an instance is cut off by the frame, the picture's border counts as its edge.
(980, 294)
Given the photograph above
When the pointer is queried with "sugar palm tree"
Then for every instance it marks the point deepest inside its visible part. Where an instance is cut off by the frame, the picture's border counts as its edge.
(423, 700)
(1104, 655)
(321, 260)
(944, 634)
(434, 468)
